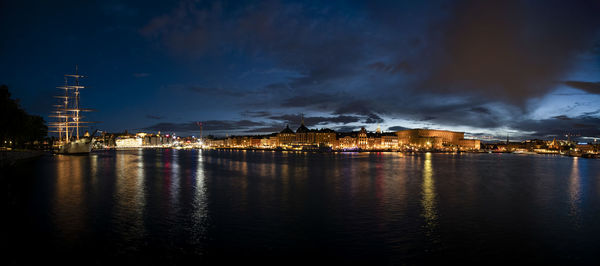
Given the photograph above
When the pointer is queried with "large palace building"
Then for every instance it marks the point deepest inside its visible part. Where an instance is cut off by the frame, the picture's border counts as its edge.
(431, 138)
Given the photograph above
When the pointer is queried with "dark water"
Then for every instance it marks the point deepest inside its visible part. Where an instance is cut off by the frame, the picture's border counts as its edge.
(170, 206)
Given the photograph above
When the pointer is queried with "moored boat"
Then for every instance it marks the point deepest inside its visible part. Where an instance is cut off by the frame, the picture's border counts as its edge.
(69, 119)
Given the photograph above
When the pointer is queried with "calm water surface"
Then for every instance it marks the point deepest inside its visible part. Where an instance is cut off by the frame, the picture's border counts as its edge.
(169, 206)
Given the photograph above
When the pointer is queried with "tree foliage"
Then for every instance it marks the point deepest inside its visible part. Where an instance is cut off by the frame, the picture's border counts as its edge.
(17, 128)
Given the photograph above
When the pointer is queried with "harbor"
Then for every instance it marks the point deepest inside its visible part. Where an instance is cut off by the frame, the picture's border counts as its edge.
(294, 132)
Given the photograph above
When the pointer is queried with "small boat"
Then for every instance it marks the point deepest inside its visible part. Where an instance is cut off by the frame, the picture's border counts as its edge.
(523, 152)
(573, 153)
(69, 119)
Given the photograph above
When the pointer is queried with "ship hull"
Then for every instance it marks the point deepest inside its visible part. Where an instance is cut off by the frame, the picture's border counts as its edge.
(81, 146)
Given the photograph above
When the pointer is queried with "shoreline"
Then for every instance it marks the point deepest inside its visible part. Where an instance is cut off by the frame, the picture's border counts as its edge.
(588, 156)
(13, 157)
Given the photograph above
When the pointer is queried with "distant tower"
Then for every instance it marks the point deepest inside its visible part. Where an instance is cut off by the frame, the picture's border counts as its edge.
(200, 125)
(378, 129)
(301, 119)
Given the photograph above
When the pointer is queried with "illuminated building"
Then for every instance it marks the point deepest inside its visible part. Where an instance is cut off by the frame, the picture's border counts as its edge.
(286, 137)
(389, 141)
(255, 142)
(362, 138)
(325, 136)
(303, 135)
(347, 142)
(317, 139)
(128, 142)
(436, 139)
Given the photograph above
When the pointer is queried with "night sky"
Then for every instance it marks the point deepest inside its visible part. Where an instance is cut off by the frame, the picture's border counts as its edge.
(530, 69)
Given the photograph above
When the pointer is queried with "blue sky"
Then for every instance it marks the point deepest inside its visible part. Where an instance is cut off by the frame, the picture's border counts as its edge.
(524, 68)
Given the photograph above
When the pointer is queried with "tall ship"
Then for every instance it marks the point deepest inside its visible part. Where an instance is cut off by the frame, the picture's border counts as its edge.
(69, 119)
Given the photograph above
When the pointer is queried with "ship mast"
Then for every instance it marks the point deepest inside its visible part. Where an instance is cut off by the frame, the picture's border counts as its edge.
(64, 112)
(69, 112)
(76, 110)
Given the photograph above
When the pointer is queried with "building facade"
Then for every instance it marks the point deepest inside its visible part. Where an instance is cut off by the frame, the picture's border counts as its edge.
(435, 139)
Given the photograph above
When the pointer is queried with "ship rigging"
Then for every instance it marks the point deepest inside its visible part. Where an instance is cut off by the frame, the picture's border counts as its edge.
(68, 115)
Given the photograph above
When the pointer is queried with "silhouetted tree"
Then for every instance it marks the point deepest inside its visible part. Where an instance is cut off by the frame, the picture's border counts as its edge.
(17, 128)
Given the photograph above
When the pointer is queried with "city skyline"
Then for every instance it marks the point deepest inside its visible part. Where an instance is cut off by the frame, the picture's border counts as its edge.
(352, 132)
(250, 68)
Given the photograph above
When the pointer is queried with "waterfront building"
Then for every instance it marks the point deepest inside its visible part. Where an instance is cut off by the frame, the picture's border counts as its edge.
(128, 142)
(469, 144)
(286, 137)
(347, 142)
(215, 143)
(324, 136)
(389, 141)
(435, 139)
(255, 142)
(303, 135)
(273, 141)
(362, 138)
(316, 139)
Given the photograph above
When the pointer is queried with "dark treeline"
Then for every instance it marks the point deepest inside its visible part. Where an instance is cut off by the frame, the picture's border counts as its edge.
(17, 128)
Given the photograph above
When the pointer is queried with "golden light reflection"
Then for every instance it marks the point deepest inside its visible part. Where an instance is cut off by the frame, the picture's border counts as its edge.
(175, 178)
(94, 168)
(69, 207)
(575, 191)
(129, 193)
(200, 206)
(428, 191)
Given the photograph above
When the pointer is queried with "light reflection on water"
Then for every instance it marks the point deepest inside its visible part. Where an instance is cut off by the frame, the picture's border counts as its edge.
(69, 209)
(354, 205)
(575, 193)
(428, 201)
(129, 197)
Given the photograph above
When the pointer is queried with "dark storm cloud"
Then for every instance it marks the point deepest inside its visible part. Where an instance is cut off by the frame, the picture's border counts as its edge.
(548, 128)
(266, 129)
(592, 113)
(317, 99)
(361, 107)
(173, 127)
(391, 68)
(210, 125)
(346, 128)
(316, 120)
(230, 125)
(256, 113)
(373, 119)
(481, 110)
(376, 60)
(510, 50)
(397, 128)
(318, 42)
(562, 117)
(590, 87)
(156, 117)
